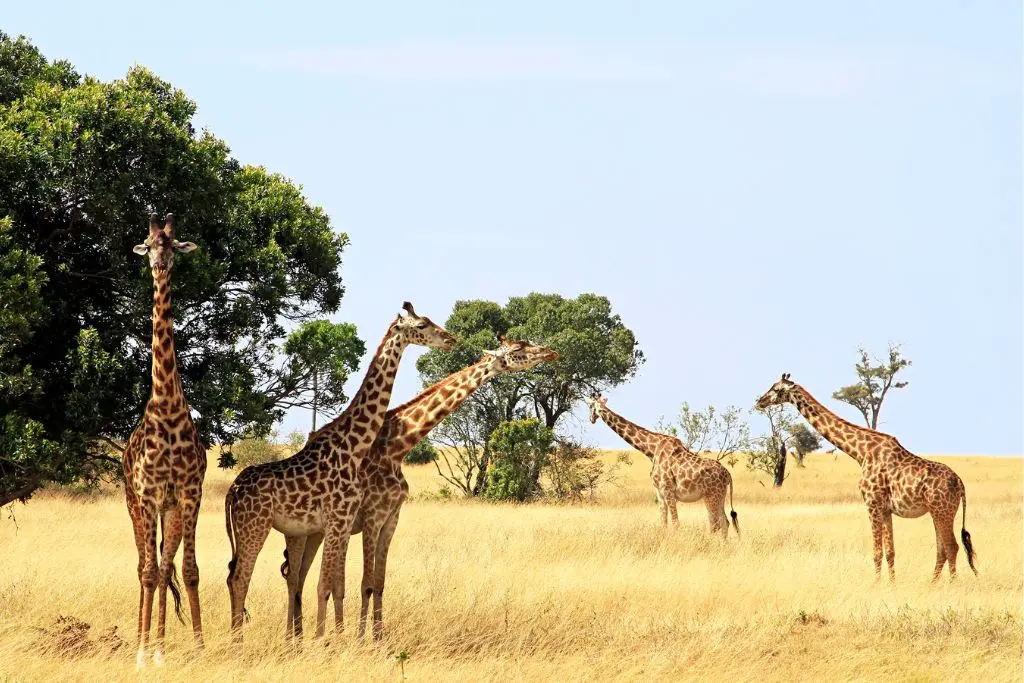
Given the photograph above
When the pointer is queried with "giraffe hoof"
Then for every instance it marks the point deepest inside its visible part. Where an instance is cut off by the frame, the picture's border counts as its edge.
(140, 660)
(158, 658)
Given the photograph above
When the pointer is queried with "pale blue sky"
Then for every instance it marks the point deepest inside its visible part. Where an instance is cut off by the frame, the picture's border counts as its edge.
(758, 187)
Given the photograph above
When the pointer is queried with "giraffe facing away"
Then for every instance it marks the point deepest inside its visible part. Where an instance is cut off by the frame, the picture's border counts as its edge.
(893, 480)
(679, 475)
(316, 491)
(164, 462)
(384, 487)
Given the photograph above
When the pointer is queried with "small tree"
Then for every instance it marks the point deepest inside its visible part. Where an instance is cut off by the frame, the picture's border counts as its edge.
(421, 454)
(873, 383)
(253, 450)
(574, 471)
(296, 440)
(321, 356)
(464, 457)
(520, 450)
(725, 433)
(768, 452)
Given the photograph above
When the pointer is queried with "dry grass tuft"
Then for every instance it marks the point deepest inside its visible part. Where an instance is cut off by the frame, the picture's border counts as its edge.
(481, 592)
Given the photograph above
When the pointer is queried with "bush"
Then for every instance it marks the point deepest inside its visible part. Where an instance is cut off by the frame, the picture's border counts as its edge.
(296, 440)
(421, 454)
(254, 450)
(574, 471)
(519, 450)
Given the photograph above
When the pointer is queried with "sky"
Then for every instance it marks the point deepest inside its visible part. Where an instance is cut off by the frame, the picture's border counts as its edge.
(757, 187)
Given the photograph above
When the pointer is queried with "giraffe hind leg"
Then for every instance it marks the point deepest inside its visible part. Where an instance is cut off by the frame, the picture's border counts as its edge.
(147, 579)
(251, 531)
(189, 566)
(170, 523)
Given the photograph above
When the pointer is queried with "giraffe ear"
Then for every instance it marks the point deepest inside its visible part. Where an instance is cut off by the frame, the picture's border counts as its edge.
(140, 249)
(185, 247)
(408, 308)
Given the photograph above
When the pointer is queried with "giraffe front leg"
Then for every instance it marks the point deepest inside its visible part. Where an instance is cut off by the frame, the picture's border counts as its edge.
(328, 568)
(370, 533)
(189, 566)
(890, 548)
(147, 579)
(313, 542)
(876, 538)
(662, 508)
(380, 569)
(295, 547)
(171, 539)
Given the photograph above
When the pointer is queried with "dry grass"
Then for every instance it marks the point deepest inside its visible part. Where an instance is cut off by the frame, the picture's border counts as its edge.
(479, 592)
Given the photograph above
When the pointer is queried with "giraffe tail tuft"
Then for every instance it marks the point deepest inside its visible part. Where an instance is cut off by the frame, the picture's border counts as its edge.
(172, 584)
(965, 536)
(732, 512)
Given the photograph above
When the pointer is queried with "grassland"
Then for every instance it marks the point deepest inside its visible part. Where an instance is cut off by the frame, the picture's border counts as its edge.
(479, 592)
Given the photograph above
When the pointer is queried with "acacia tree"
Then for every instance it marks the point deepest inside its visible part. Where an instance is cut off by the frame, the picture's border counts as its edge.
(724, 433)
(596, 352)
(82, 164)
(768, 453)
(874, 380)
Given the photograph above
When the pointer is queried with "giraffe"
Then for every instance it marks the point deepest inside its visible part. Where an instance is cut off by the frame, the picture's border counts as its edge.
(893, 480)
(316, 491)
(678, 474)
(164, 463)
(384, 487)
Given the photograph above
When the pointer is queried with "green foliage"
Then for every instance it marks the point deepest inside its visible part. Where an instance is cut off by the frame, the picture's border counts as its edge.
(574, 471)
(519, 451)
(82, 164)
(786, 435)
(255, 450)
(321, 356)
(874, 380)
(724, 434)
(596, 352)
(296, 440)
(422, 453)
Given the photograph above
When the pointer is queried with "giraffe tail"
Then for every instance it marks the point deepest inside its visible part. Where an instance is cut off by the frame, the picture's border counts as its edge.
(965, 536)
(732, 511)
(229, 522)
(172, 583)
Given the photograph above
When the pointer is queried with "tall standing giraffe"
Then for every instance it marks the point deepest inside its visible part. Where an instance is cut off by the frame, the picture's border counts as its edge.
(164, 462)
(893, 480)
(317, 491)
(678, 474)
(384, 486)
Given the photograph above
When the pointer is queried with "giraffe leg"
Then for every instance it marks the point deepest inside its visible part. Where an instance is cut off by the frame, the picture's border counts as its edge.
(370, 534)
(890, 548)
(716, 515)
(380, 569)
(876, 537)
(147, 578)
(313, 542)
(330, 573)
(670, 502)
(189, 566)
(295, 546)
(171, 539)
(949, 543)
(940, 549)
(251, 531)
(663, 509)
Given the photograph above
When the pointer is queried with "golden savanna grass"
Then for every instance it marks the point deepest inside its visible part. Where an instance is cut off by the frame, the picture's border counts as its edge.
(480, 592)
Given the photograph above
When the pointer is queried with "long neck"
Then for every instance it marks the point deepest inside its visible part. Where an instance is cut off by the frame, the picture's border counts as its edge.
(644, 440)
(365, 413)
(166, 382)
(840, 433)
(409, 423)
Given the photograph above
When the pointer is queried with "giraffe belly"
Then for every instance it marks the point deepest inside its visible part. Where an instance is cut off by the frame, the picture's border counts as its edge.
(908, 511)
(686, 495)
(302, 524)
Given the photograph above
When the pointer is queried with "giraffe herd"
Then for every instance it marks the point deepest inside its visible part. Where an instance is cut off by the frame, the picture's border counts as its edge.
(348, 479)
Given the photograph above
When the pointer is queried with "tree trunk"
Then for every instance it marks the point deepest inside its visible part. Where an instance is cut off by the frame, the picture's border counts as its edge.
(21, 493)
(780, 467)
(315, 397)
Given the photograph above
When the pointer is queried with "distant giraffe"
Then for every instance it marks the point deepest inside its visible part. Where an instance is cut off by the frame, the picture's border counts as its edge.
(164, 462)
(893, 480)
(317, 490)
(385, 488)
(677, 473)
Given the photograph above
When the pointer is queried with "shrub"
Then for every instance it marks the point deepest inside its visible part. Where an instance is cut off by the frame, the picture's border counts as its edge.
(422, 453)
(519, 450)
(254, 450)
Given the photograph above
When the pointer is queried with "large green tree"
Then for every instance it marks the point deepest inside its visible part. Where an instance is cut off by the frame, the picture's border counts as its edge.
(596, 352)
(82, 163)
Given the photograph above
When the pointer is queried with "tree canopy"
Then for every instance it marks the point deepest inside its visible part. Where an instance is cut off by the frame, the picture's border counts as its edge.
(82, 164)
(596, 352)
(874, 380)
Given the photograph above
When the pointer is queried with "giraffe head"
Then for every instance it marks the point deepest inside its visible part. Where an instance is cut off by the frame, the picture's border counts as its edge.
(161, 245)
(781, 392)
(515, 356)
(596, 402)
(422, 331)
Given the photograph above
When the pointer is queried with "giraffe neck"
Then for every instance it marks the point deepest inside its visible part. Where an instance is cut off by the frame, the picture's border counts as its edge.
(841, 433)
(364, 415)
(644, 440)
(166, 382)
(409, 423)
